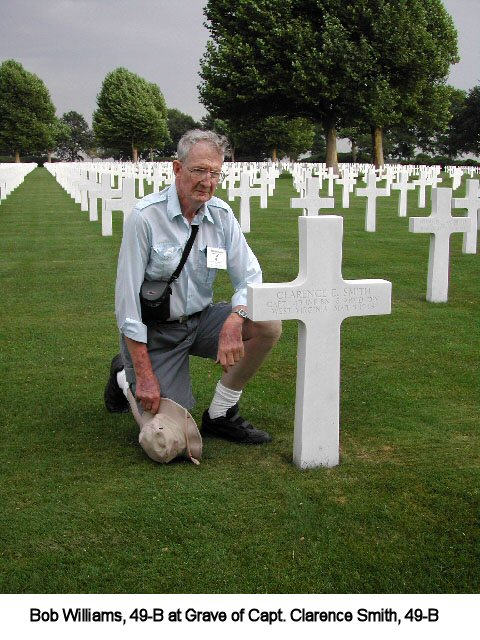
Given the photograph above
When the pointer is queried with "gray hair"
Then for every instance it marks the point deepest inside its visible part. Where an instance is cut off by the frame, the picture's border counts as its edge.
(186, 142)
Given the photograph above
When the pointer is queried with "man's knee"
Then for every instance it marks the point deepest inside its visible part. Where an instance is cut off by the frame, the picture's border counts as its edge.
(268, 331)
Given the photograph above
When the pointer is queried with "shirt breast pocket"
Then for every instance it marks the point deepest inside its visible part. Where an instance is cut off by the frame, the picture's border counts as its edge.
(164, 259)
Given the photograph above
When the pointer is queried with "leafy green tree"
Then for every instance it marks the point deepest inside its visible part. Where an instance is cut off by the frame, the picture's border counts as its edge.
(131, 114)
(346, 63)
(76, 137)
(258, 138)
(27, 115)
(226, 128)
(283, 57)
(56, 131)
(465, 124)
(178, 123)
(274, 137)
(447, 143)
(318, 148)
(414, 42)
(357, 138)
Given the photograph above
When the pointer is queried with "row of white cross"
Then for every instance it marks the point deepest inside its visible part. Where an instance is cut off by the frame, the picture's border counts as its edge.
(12, 175)
(89, 182)
(320, 299)
(118, 186)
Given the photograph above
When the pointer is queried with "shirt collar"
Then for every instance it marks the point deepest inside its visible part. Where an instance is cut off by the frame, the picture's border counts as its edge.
(174, 209)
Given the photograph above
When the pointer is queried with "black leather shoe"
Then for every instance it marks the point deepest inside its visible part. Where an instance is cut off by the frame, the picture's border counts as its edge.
(115, 399)
(233, 427)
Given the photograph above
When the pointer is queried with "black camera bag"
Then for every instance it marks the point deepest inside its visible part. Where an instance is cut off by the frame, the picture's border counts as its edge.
(155, 294)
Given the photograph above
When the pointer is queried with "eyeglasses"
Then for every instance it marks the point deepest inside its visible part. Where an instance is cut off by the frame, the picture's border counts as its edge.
(215, 176)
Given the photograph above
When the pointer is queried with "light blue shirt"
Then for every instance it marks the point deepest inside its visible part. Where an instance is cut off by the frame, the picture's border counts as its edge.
(154, 236)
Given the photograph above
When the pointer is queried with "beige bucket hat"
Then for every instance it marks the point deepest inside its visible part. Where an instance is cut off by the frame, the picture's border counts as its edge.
(170, 433)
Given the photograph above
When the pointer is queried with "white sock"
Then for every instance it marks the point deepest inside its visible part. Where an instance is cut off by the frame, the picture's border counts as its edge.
(223, 400)
(122, 381)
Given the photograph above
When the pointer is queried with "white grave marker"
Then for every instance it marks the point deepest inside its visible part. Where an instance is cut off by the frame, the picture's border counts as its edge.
(456, 176)
(94, 193)
(245, 192)
(311, 202)
(347, 181)
(424, 180)
(404, 186)
(440, 225)
(124, 203)
(472, 204)
(372, 193)
(320, 299)
(330, 176)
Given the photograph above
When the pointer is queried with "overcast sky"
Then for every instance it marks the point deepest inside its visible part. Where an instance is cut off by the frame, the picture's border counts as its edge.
(72, 44)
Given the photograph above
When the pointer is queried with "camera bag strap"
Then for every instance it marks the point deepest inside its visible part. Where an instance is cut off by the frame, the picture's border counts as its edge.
(186, 251)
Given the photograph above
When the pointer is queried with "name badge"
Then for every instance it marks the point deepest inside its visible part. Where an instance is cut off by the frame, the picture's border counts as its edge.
(216, 258)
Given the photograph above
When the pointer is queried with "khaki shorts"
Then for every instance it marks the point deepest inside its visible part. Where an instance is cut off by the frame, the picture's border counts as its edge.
(170, 346)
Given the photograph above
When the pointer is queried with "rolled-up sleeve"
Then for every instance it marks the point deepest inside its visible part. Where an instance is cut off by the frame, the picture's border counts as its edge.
(242, 264)
(132, 262)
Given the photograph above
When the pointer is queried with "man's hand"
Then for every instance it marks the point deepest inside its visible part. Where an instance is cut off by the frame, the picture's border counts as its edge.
(147, 392)
(230, 342)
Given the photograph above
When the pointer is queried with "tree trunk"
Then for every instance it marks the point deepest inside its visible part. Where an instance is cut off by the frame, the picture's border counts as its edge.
(331, 142)
(377, 144)
(354, 150)
(134, 154)
(49, 156)
(17, 155)
(274, 154)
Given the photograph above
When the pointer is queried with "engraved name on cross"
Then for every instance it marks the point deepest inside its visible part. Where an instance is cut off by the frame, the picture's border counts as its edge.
(320, 299)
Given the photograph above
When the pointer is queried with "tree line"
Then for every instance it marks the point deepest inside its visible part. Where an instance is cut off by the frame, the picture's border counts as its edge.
(279, 77)
(131, 122)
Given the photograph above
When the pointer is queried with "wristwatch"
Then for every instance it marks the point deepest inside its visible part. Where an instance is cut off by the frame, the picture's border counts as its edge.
(242, 313)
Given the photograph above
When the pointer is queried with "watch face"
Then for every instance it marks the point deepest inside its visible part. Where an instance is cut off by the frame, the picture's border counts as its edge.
(241, 313)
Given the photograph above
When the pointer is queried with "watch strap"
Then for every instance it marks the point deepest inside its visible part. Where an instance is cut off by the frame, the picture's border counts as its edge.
(241, 312)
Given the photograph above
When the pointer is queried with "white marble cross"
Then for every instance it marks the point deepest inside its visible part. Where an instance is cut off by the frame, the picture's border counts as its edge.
(330, 176)
(311, 202)
(347, 181)
(440, 225)
(269, 177)
(320, 299)
(124, 203)
(141, 175)
(472, 204)
(94, 193)
(404, 186)
(424, 180)
(245, 192)
(435, 177)
(372, 193)
(456, 176)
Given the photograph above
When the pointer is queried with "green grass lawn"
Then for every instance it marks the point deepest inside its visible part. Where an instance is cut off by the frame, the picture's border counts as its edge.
(85, 511)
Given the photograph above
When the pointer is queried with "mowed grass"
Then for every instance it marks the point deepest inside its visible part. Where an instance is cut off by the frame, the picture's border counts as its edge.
(85, 511)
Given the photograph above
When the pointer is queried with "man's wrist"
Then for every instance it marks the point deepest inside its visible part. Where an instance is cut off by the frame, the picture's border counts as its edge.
(241, 313)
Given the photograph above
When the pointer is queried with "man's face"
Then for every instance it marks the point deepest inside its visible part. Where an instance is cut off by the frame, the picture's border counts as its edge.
(193, 189)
